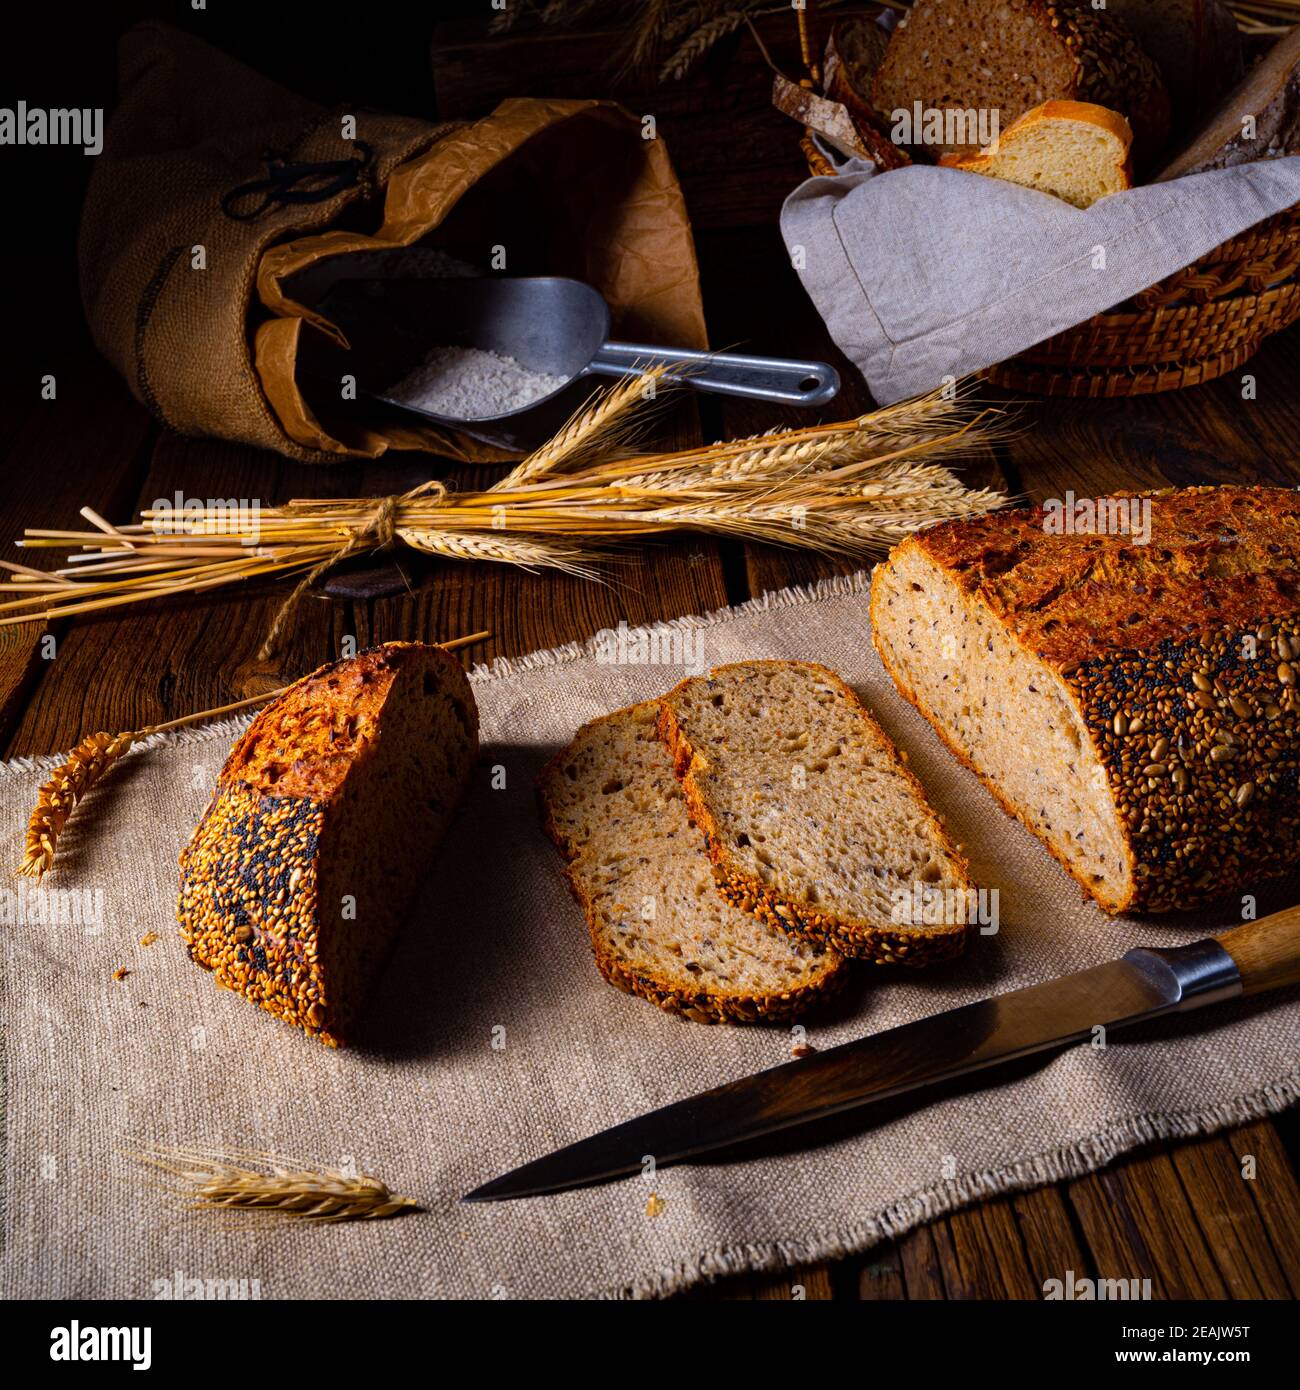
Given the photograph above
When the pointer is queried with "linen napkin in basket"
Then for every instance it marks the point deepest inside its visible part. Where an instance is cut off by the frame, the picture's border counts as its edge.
(493, 1040)
(925, 273)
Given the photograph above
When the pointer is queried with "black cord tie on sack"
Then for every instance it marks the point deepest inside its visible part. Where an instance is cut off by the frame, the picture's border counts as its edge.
(293, 181)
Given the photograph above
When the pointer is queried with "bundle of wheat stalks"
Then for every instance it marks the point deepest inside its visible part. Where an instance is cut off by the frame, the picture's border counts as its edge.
(847, 488)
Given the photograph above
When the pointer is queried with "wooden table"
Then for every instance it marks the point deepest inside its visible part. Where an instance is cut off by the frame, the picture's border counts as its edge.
(1178, 1214)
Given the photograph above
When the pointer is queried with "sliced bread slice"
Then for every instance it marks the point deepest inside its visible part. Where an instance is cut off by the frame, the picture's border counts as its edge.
(639, 868)
(812, 819)
(1070, 149)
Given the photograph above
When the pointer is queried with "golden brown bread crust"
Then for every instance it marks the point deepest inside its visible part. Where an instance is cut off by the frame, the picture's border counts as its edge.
(1177, 655)
(250, 874)
(705, 1006)
(855, 938)
(1217, 557)
(1111, 122)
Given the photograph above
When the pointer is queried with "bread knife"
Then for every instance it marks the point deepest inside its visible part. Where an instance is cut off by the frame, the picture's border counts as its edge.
(1145, 983)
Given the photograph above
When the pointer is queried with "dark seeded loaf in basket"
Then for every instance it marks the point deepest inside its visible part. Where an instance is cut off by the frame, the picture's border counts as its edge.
(1009, 56)
(321, 828)
(1133, 705)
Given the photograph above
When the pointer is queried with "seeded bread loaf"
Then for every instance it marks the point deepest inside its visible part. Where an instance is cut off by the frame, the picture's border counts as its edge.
(1071, 149)
(1194, 43)
(1133, 705)
(812, 820)
(637, 865)
(1259, 119)
(1010, 55)
(854, 52)
(321, 828)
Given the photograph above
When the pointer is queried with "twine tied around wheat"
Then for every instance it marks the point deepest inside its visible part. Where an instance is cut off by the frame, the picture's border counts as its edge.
(376, 532)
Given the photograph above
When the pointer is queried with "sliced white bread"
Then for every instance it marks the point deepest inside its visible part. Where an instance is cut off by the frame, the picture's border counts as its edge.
(812, 820)
(659, 927)
(1070, 149)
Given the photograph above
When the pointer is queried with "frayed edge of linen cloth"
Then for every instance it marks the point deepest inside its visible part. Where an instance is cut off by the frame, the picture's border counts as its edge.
(1059, 1165)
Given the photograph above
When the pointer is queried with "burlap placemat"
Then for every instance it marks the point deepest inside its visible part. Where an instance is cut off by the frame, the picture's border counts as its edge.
(494, 1040)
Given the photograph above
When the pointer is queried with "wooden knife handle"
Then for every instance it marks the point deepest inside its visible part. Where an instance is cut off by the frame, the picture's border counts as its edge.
(1267, 952)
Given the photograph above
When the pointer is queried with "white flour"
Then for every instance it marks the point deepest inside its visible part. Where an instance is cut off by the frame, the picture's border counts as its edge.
(472, 384)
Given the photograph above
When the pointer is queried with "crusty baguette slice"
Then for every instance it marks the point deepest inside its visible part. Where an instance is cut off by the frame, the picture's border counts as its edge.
(1071, 149)
(639, 868)
(811, 817)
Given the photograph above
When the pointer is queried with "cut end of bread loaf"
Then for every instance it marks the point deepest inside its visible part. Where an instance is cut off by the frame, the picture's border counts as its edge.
(659, 927)
(1071, 149)
(300, 873)
(812, 820)
(1132, 702)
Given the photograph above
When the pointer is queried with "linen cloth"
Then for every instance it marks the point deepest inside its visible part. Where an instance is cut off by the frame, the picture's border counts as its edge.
(493, 1040)
(925, 273)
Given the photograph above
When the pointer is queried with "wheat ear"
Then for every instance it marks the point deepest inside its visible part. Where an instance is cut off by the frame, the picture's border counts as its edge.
(86, 765)
(595, 425)
(269, 1185)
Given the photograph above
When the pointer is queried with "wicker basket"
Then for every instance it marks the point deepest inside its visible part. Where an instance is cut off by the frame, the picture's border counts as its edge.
(1201, 322)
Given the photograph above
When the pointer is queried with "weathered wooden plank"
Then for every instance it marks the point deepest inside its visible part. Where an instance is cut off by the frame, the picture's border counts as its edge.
(87, 447)
(1207, 434)
(923, 1269)
(1050, 1244)
(803, 1282)
(880, 1276)
(1224, 1205)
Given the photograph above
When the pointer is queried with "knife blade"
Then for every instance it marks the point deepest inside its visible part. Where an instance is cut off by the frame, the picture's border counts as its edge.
(1144, 984)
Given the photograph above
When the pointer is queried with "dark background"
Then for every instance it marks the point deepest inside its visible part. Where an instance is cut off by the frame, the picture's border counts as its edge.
(55, 55)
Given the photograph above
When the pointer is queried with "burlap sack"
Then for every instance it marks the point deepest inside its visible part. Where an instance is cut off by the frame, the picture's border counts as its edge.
(188, 257)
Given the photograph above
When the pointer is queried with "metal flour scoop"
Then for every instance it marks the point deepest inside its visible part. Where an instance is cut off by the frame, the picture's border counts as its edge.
(547, 324)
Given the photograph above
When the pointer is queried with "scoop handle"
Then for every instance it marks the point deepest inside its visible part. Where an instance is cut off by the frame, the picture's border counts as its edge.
(1267, 952)
(784, 380)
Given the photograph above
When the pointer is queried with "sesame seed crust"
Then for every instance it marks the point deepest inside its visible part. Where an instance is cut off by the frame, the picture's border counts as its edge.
(1182, 657)
(247, 902)
(286, 812)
